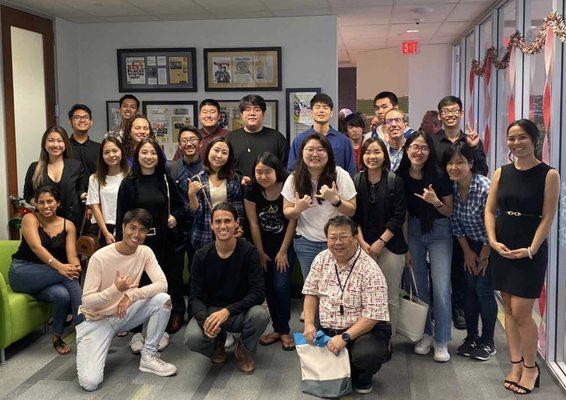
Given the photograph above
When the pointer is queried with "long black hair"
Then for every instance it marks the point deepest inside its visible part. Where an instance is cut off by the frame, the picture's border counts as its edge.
(102, 167)
(302, 176)
(431, 173)
(227, 171)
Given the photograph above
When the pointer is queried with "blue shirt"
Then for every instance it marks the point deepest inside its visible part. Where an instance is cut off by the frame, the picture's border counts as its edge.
(341, 145)
(467, 217)
(184, 172)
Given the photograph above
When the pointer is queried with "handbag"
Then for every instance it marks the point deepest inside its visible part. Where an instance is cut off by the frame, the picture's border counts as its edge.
(413, 313)
(87, 243)
(324, 374)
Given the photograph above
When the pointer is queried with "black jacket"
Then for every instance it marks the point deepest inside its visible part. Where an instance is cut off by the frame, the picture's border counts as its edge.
(73, 183)
(392, 206)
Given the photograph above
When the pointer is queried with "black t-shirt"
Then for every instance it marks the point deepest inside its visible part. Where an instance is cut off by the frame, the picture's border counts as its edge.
(86, 153)
(151, 198)
(415, 205)
(247, 146)
(272, 222)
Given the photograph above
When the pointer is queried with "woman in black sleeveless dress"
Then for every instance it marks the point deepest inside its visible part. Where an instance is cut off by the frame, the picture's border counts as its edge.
(524, 196)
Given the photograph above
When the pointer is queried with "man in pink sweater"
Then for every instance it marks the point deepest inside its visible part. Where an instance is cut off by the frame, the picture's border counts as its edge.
(113, 302)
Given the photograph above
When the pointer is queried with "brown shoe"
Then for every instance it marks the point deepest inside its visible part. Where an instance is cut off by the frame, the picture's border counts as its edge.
(219, 356)
(246, 363)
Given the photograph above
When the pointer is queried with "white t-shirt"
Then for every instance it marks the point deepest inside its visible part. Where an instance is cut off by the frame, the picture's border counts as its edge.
(311, 221)
(218, 194)
(108, 199)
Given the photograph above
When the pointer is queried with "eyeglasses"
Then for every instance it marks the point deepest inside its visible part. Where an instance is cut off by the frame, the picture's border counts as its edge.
(341, 238)
(447, 112)
(398, 121)
(187, 141)
(416, 148)
(81, 118)
(312, 150)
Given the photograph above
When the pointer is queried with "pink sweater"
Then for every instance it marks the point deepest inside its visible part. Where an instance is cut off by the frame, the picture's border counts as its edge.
(101, 296)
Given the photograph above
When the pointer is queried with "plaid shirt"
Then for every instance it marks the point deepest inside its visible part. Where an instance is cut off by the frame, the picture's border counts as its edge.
(467, 217)
(365, 292)
(395, 156)
(201, 232)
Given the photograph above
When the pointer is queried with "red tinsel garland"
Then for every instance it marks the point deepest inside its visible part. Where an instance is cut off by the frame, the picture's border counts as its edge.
(551, 21)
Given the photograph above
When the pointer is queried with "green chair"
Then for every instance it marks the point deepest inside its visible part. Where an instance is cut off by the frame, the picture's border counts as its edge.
(20, 313)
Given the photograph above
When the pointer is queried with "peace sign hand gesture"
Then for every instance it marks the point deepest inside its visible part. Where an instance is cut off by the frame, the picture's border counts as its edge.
(429, 195)
(472, 137)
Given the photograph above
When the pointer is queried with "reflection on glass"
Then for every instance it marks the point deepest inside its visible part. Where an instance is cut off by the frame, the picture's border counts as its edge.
(485, 82)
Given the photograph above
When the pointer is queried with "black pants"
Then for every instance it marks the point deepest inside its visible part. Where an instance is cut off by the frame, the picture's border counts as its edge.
(458, 277)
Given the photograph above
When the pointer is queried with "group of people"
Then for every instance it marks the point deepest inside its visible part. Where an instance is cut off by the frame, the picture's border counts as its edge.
(353, 209)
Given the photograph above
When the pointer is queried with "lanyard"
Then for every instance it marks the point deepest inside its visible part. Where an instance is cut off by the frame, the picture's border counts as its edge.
(345, 282)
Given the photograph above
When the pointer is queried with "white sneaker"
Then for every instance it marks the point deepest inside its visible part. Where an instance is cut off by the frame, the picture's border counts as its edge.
(441, 353)
(423, 346)
(152, 362)
(137, 342)
(164, 342)
(229, 340)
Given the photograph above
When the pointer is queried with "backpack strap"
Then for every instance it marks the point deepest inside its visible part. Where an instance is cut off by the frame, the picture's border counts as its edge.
(357, 178)
(390, 185)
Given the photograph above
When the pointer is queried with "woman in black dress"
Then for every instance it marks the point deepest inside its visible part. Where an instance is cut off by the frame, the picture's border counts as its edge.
(524, 196)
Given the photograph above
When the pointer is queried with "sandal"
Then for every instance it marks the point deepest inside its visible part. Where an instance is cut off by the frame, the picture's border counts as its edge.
(518, 389)
(267, 340)
(509, 384)
(287, 343)
(60, 346)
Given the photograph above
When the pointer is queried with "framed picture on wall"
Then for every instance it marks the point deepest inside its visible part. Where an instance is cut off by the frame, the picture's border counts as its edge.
(113, 117)
(243, 68)
(298, 110)
(157, 70)
(167, 118)
(231, 119)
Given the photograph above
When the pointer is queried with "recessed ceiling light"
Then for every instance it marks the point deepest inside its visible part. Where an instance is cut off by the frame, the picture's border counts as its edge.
(412, 30)
(423, 10)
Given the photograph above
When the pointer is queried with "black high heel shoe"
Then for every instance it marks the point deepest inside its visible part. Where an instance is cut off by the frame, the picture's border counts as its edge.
(525, 390)
(508, 384)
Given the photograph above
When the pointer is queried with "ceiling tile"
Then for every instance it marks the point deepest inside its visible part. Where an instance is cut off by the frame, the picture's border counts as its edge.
(185, 17)
(407, 13)
(130, 18)
(425, 3)
(110, 8)
(50, 8)
(168, 7)
(468, 11)
(452, 28)
(227, 7)
(359, 3)
(363, 15)
(300, 13)
(84, 20)
(243, 14)
(364, 32)
(296, 4)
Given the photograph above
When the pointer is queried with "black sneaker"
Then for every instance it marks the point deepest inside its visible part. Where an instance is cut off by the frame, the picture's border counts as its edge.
(469, 344)
(362, 384)
(483, 352)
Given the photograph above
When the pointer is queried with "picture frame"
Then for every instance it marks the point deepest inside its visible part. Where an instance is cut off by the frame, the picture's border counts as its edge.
(298, 111)
(242, 69)
(167, 118)
(113, 117)
(231, 119)
(157, 70)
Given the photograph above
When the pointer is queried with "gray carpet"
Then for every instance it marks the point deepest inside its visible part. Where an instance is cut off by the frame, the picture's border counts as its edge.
(34, 371)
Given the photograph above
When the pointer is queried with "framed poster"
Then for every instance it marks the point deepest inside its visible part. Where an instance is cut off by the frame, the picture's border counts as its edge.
(157, 70)
(243, 68)
(113, 117)
(298, 110)
(167, 118)
(231, 119)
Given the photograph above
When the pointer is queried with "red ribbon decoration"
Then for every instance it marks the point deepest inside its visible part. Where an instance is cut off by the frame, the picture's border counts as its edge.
(487, 106)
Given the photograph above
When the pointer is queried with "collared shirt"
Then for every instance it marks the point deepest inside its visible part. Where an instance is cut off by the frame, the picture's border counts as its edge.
(86, 153)
(395, 155)
(207, 137)
(442, 144)
(341, 145)
(467, 218)
(183, 171)
(365, 292)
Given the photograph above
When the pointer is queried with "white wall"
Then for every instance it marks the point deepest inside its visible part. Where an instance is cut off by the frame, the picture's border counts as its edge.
(424, 77)
(309, 56)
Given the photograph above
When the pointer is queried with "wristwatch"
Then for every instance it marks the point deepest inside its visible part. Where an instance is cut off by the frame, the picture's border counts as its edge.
(346, 337)
(338, 203)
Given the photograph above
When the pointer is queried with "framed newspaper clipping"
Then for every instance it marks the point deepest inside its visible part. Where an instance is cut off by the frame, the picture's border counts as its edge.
(113, 117)
(244, 68)
(157, 70)
(167, 118)
(298, 110)
(231, 119)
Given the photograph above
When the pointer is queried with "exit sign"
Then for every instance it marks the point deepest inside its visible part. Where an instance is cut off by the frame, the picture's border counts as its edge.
(410, 47)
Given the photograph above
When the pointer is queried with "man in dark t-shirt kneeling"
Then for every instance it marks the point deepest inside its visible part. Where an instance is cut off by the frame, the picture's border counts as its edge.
(227, 290)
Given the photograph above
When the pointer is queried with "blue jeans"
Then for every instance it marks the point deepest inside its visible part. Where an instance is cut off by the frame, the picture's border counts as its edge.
(438, 244)
(306, 251)
(480, 301)
(278, 294)
(46, 284)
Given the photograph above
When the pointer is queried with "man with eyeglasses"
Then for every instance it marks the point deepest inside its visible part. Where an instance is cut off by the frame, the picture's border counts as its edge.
(181, 170)
(349, 291)
(395, 126)
(83, 148)
(383, 103)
